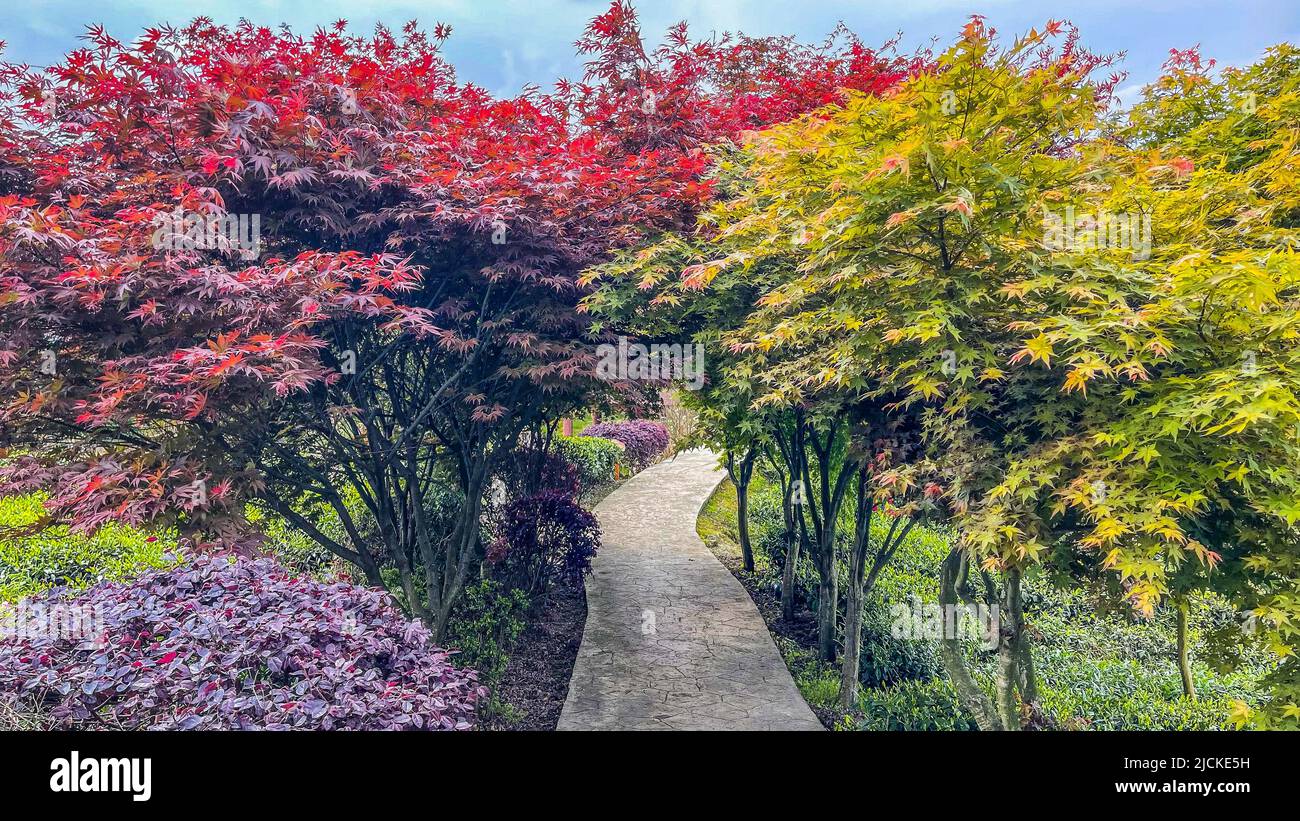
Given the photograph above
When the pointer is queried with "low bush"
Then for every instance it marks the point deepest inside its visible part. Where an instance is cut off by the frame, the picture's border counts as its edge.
(487, 621)
(818, 682)
(886, 659)
(530, 470)
(912, 705)
(643, 441)
(593, 456)
(223, 643)
(53, 557)
(297, 551)
(1126, 694)
(543, 537)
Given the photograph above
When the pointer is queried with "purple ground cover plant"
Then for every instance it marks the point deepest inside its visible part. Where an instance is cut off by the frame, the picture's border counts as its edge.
(224, 643)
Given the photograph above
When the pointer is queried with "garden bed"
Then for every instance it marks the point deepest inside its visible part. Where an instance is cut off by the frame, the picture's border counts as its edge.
(536, 680)
(1097, 669)
(535, 683)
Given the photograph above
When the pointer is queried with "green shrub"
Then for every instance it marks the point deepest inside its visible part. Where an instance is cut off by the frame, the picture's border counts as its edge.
(912, 705)
(593, 456)
(53, 557)
(487, 621)
(913, 573)
(304, 555)
(818, 682)
(1125, 694)
(766, 522)
(888, 660)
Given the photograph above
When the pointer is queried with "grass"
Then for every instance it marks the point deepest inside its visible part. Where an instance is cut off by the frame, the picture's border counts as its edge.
(581, 423)
(54, 556)
(717, 519)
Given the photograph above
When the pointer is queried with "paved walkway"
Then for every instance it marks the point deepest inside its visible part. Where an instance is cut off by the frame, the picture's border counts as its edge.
(673, 641)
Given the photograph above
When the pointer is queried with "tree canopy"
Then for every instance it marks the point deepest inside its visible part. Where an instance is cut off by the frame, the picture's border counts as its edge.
(1092, 315)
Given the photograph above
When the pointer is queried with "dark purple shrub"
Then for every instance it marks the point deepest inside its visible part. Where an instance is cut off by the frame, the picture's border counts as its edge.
(543, 537)
(238, 644)
(643, 441)
(532, 469)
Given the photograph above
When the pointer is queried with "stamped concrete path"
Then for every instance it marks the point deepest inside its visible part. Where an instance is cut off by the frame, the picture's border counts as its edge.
(673, 642)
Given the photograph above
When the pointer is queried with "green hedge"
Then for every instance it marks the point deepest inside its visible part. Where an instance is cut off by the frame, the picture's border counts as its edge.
(1126, 694)
(592, 456)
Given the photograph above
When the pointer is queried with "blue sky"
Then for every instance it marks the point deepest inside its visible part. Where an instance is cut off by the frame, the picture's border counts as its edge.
(504, 44)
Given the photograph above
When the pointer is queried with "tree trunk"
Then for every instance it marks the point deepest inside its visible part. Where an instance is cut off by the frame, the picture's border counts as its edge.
(1011, 676)
(740, 475)
(853, 609)
(1028, 683)
(413, 600)
(827, 605)
(789, 539)
(973, 698)
(1004, 681)
(822, 503)
(461, 549)
(742, 524)
(789, 575)
(1184, 659)
(453, 583)
(852, 639)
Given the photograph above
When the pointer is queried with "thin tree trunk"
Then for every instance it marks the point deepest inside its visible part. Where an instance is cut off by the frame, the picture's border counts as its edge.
(789, 575)
(827, 605)
(1027, 681)
(454, 582)
(1184, 658)
(790, 564)
(1004, 680)
(852, 638)
(971, 696)
(742, 524)
(461, 550)
(413, 600)
(740, 476)
(821, 502)
(1011, 677)
(1028, 678)
(853, 609)
(784, 463)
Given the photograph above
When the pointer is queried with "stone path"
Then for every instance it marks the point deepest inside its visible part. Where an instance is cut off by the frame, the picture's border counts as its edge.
(673, 641)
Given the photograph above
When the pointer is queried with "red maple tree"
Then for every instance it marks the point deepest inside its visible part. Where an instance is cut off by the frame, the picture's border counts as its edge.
(398, 304)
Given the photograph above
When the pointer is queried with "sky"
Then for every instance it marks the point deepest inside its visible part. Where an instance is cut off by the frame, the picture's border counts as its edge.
(504, 45)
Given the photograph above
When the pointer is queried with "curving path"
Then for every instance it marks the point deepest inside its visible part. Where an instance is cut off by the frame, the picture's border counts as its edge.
(673, 641)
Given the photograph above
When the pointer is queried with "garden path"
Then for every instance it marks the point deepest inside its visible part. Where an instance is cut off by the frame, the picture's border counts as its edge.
(673, 641)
